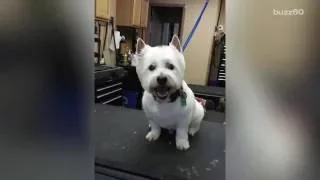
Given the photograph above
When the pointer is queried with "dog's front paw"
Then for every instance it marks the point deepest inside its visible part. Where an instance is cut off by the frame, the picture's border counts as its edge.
(182, 144)
(152, 135)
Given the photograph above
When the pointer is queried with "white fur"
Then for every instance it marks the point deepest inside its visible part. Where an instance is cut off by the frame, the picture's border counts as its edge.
(161, 113)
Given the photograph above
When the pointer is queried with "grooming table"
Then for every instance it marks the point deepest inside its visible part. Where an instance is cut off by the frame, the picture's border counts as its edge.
(122, 152)
(207, 91)
(215, 96)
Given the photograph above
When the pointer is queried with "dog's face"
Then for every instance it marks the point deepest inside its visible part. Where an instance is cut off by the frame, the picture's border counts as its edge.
(160, 69)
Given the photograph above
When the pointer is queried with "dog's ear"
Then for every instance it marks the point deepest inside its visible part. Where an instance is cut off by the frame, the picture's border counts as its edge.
(140, 45)
(175, 42)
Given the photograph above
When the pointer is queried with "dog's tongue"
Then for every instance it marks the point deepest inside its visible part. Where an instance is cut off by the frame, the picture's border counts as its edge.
(162, 91)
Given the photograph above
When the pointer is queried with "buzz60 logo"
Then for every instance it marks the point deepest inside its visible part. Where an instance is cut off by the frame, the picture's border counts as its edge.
(288, 12)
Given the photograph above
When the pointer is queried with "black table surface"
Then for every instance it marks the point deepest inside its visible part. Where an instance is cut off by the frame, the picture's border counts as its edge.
(207, 90)
(121, 145)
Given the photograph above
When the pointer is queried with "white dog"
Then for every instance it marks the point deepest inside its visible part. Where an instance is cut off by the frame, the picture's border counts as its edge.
(167, 101)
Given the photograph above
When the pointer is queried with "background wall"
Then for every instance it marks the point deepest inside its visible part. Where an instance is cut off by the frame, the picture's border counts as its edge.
(198, 52)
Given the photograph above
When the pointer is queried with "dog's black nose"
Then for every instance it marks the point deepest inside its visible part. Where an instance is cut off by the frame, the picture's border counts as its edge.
(162, 80)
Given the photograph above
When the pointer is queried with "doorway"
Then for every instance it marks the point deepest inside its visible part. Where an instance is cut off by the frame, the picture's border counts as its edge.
(164, 21)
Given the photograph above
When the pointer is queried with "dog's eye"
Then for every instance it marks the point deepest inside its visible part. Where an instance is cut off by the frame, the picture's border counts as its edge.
(170, 66)
(152, 67)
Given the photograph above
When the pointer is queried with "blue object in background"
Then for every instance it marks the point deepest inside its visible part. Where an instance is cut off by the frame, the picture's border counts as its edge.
(130, 98)
(213, 83)
(195, 25)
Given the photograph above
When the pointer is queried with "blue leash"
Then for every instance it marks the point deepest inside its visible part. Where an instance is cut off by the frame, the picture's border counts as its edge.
(195, 26)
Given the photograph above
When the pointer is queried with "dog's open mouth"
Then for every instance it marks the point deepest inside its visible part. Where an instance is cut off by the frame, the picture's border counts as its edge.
(162, 92)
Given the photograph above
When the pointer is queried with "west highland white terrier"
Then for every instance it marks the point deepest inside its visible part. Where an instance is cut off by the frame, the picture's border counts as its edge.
(167, 100)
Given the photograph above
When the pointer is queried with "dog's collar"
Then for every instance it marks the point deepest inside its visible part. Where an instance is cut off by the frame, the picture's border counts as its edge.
(178, 93)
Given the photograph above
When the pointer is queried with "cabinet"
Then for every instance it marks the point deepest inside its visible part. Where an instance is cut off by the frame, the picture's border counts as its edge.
(133, 13)
(144, 13)
(102, 9)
